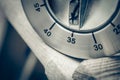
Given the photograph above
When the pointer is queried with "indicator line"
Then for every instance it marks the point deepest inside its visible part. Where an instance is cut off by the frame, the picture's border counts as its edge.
(52, 26)
(72, 34)
(112, 24)
(84, 8)
(42, 5)
(94, 38)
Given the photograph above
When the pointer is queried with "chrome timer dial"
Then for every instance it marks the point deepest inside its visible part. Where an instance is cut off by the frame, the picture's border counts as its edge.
(77, 28)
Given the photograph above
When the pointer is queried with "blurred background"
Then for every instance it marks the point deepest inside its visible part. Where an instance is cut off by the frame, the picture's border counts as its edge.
(17, 62)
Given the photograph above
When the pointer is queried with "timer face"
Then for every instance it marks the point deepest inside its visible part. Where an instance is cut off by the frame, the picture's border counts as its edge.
(83, 15)
(77, 28)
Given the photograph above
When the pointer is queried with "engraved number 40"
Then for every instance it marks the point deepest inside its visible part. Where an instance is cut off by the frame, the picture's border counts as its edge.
(47, 32)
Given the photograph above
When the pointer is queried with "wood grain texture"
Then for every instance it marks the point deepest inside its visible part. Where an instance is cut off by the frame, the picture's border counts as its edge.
(99, 69)
(57, 66)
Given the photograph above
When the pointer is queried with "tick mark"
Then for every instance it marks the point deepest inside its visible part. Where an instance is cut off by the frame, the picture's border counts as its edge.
(42, 5)
(94, 38)
(112, 24)
(52, 26)
(72, 34)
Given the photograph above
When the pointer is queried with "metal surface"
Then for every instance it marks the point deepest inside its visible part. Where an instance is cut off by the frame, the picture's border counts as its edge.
(51, 59)
(57, 66)
(98, 37)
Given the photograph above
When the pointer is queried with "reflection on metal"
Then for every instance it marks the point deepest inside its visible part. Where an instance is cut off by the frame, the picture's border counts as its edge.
(57, 66)
(78, 11)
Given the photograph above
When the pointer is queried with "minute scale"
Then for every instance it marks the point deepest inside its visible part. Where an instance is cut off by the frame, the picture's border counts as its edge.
(77, 28)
